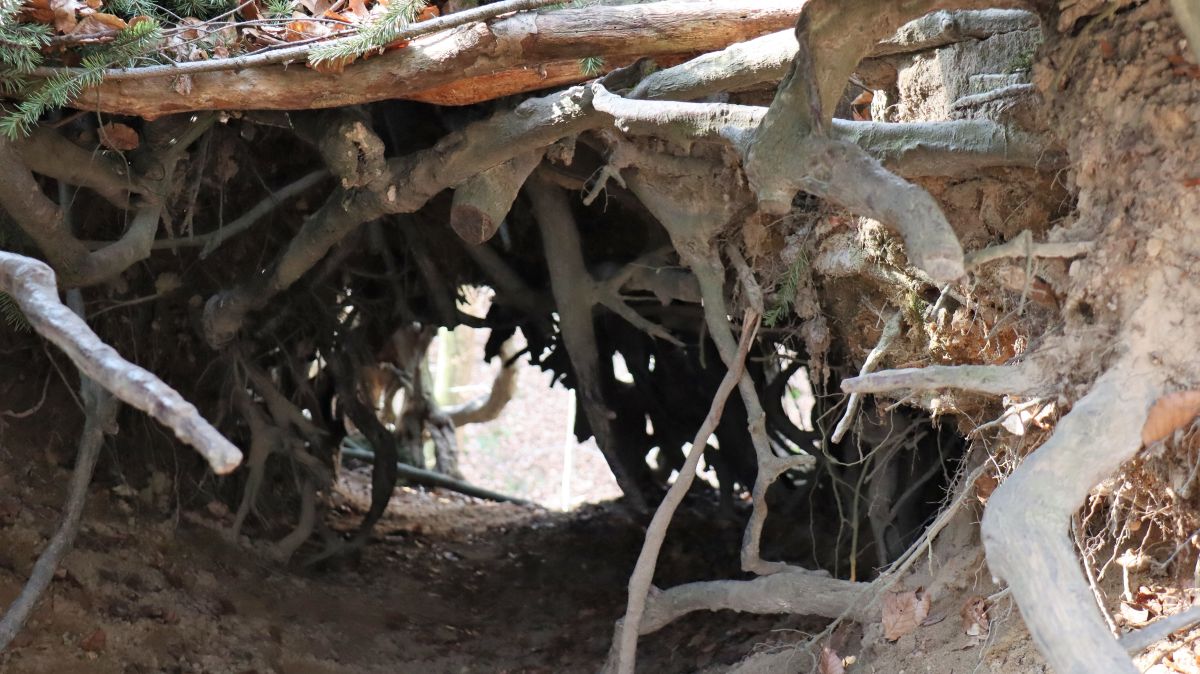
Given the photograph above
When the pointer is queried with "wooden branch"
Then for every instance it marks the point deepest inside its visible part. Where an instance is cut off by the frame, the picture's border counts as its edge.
(472, 63)
(630, 627)
(430, 478)
(32, 284)
(298, 52)
(483, 201)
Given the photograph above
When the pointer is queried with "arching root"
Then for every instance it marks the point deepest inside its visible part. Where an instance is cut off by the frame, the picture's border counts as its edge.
(1025, 526)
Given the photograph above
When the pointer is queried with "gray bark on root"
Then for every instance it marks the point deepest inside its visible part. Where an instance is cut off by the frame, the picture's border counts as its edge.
(100, 417)
(32, 284)
(1026, 522)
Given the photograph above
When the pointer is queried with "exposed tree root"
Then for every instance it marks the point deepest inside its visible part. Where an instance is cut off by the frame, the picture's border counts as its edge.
(794, 591)
(100, 418)
(49, 153)
(32, 284)
(991, 379)
(1023, 245)
(890, 331)
(1139, 640)
(487, 408)
(481, 203)
(575, 295)
(212, 241)
(628, 629)
(1025, 523)
(44, 222)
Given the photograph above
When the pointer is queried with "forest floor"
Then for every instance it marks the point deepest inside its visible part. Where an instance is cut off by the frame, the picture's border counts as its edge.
(449, 584)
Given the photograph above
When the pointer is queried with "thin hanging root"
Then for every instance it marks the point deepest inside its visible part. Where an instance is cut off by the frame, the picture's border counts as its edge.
(101, 415)
(711, 276)
(1025, 525)
(32, 284)
(287, 546)
(625, 642)
(769, 470)
(890, 331)
(990, 379)
(264, 439)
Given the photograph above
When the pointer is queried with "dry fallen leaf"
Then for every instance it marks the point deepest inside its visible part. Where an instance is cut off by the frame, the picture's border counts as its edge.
(64, 14)
(984, 486)
(37, 11)
(1134, 614)
(95, 24)
(975, 617)
(903, 611)
(117, 136)
(831, 662)
(1170, 413)
(95, 642)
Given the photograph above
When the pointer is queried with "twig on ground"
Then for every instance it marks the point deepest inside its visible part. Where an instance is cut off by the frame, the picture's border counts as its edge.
(352, 448)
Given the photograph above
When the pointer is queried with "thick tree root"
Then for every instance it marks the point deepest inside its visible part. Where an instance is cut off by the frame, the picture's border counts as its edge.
(1025, 523)
(481, 203)
(795, 591)
(574, 296)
